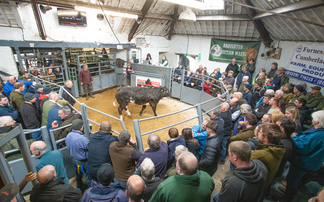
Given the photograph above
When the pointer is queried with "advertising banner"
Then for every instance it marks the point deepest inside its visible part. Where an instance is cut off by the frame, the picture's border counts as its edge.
(307, 63)
(142, 81)
(225, 50)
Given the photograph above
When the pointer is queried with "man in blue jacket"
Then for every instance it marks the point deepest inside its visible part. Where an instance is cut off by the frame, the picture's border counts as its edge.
(199, 132)
(247, 95)
(9, 86)
(309, 153)
(6, 110)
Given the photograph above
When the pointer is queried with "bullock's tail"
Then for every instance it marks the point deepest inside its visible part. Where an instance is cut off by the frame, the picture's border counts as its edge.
(114, 103)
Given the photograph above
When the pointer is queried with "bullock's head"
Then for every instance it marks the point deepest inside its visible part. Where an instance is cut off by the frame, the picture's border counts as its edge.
(165, 91)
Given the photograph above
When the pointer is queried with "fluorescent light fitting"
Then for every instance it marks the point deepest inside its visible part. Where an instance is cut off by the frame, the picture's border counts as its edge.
(206, 5)
(123, 15)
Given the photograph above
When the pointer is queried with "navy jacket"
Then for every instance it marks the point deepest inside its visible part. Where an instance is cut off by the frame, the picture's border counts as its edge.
(248, 97)
(98, 151)
(8, 111)
(172, 144)
(220, 124)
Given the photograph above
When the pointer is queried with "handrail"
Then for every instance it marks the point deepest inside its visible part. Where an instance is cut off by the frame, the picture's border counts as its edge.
(178, 123)
(172, 113)
(59, 128)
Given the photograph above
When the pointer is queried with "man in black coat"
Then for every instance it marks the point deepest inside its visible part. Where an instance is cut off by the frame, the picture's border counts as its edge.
(68, 87)
(49, 189)
(98, 149)
(210, 156)
(263, 108)
(30, 115)
(233, 66)
(227, 117)
(247, 180)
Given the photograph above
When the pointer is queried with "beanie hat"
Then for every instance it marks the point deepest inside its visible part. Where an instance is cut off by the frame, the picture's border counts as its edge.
(47, 90)
(8, 192)
(28, 96)
(77, 124)
(37, 86)
(105, 174)
(300, 88)
(248, 86)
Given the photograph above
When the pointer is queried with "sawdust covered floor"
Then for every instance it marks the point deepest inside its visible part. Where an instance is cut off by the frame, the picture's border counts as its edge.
(104, 102)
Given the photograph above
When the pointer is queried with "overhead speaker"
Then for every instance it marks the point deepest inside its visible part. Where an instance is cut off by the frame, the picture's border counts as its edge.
(100, 17)
(44, 9)
(187, 15)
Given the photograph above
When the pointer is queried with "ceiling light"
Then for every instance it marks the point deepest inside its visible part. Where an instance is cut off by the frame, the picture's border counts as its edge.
(205, 5)
(187, 15)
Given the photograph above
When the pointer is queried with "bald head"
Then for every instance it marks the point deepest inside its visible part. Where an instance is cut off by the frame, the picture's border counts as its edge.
(187, 164)
(105, 127)
(6, 121)
(46, 174)
(12, 79)
(135, 188)
(38, 148)
(233, 102)
(224, 107)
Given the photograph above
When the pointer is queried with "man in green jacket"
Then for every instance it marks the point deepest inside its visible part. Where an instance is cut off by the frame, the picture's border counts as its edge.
(16, 96)
(269, 151)
(298, 93)
(314, 97)
(250, 120)
(189, 184)
(53, 99)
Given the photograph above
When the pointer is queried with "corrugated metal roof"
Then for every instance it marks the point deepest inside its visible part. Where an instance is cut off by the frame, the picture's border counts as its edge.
(160, 15)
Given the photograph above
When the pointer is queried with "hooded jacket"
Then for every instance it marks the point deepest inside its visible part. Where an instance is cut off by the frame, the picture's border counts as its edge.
(271, 155)
(244, 184)
(309, 149)
(172, 144)
(98, 192)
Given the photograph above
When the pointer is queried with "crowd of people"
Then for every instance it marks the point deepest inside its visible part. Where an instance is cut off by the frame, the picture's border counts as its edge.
(271, 131)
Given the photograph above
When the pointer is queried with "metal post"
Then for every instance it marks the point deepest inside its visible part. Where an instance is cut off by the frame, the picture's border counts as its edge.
(51, 134)
(199, 112)
(24, 149)
(65, 65)
(36, 79)
(46, 138)
(138, 135)
(85, 119)
(123, 125)
(61, 91)
(19, 59)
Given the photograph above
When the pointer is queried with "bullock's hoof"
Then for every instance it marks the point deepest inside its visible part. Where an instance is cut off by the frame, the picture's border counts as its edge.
(128, 113)
(121, 117)
(140, 114)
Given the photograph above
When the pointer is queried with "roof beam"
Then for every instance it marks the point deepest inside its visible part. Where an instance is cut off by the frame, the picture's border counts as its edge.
(258, 25)
(301, 5)
(38, 19)
(175, 17)
(136, 25)
(238, 17)
(277, 14)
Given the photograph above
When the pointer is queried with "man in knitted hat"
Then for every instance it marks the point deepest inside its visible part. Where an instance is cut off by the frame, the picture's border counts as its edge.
(103, 189)
(298, 93)
(247, 95)
(77, 144)
(30, 115)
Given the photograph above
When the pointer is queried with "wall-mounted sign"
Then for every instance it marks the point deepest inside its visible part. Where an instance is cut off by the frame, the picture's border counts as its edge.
(69, 17)
(225, 50)
(142, 81)
(307, 63)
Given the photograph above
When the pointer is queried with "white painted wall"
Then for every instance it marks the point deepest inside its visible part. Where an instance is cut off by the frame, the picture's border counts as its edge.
(8, 64)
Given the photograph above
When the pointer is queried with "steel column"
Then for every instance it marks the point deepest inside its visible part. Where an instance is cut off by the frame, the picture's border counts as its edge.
(138, 135)
(46, 138)
(199, 112)
(85, 119)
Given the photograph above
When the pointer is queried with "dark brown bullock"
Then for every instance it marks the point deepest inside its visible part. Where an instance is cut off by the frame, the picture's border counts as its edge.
(139, 96)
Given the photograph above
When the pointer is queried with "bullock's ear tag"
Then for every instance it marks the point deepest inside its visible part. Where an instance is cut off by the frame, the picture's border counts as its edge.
(162, 90)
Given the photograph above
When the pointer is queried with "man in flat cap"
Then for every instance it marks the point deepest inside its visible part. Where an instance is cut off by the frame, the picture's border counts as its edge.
(314, 98)
(77, 144)
(30, 115)
(280, 79)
